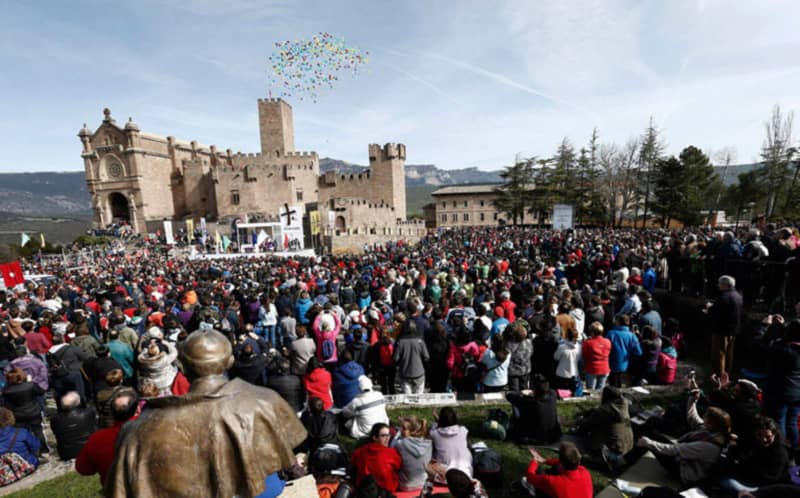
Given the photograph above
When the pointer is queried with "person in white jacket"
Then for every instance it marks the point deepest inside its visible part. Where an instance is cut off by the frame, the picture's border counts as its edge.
(568, 356)
(365, 410)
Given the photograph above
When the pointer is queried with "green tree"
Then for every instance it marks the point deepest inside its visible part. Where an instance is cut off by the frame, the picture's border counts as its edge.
(513, 196)
(650, 151)
(563, 174)
(701, 181)
(669, 189)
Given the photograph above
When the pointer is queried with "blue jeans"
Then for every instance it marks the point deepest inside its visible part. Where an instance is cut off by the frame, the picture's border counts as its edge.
(268, 332)
(596, 381)
(730, 484)
(786, 415)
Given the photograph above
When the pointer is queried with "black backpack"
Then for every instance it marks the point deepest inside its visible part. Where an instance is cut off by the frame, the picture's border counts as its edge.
(487, 465)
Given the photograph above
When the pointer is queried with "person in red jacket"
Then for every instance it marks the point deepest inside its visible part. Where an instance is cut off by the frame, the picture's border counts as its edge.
(317, 382)
(596, 350)
(376, 459)
(97, 454)
(572, 480)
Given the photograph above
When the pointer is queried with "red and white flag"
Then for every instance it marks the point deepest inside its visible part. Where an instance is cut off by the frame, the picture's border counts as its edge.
(12, 274)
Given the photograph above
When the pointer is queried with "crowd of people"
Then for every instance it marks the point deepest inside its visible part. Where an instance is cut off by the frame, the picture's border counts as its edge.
(538, 315)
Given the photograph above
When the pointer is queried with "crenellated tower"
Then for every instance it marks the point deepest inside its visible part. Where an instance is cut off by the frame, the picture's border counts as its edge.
(387, 171)
(276, 124)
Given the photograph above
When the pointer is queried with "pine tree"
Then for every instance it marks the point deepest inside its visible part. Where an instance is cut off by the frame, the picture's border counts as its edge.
(651, 150)
(513, 197)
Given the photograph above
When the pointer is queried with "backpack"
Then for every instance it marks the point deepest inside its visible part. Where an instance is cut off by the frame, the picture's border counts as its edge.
(326, 459)
(666, 368)
(55, 365)
(487, 465)
(12, 466)
(496, 424)
(328, 349)
(470, 368)
(385, 355)
(455, 319)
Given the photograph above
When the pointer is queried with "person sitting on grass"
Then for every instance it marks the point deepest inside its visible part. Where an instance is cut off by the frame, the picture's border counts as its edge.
(450, 447)
(378, 460)
(567, 478)
(535, 415)
(415, 449)
(608, 428)
(19, 441)
(459, 485)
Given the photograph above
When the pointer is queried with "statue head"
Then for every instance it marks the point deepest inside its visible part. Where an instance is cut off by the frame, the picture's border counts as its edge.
(205, 353)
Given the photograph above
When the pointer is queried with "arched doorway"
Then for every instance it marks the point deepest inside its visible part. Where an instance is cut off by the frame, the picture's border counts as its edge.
(120, 210)
(340, 225)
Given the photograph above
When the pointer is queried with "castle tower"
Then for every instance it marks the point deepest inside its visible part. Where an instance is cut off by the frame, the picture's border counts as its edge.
(387, 174)
(276, 123)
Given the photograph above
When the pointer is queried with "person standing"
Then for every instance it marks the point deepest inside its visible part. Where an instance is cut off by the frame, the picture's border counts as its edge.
(726, 322)
(410, 354)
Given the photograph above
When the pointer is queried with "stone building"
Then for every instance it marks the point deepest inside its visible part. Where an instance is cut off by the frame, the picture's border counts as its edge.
(469, 205)
(145, 179)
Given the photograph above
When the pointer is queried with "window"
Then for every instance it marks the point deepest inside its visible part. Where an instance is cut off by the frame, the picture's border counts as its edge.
(454, 217)
(444, 204)
(454, 203)
(482, 217)
(495, 216)
(466, 203)
(466, 216)
(299, 196)
(483, 202)
(444, 218)
(235, 197)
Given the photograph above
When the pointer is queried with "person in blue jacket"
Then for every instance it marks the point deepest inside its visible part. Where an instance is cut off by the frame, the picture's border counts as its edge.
(345, 380)
(649, 278)
(25, 444)
(624, 345)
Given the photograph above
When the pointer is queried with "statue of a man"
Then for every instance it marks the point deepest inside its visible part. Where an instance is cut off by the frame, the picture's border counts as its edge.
(222, 439)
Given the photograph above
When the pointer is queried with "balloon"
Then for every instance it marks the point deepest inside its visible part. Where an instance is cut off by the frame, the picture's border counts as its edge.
(309, 66)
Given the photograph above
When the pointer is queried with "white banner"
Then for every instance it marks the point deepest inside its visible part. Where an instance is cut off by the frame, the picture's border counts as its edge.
(291, 218)
(168, 232)
(562, 216)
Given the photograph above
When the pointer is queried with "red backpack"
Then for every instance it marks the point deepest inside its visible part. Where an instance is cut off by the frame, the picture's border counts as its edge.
(385, 352)
(666, 368)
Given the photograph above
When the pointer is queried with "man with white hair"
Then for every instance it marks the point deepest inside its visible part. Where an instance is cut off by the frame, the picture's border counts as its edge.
(72, 425)
(726, 321)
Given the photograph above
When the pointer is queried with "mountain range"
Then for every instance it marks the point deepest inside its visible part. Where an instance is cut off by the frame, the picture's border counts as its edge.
(64, 195)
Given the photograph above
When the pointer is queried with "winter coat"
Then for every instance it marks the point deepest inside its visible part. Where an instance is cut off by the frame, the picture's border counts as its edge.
(322, 429)
(450, 447)
(610, 423)
(416, 453)
(624, 344)
(345, 383)
(318, 385)
(290, 388)
(378, 461)
(496, 371)
(158, 370)
(366, 410)
(596, 351)
(300, 351)
(26, 444)
(32, 366)
(535, 417)
(783, 373)
(22, 400)
(72, 429)
(410, 354)
(726, 313)
(300, 309)
(567, 355)
(250, 368)
(520, 353)
(87, 344)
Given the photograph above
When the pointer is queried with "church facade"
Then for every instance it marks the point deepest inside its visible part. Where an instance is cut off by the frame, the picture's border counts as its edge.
(144, 179)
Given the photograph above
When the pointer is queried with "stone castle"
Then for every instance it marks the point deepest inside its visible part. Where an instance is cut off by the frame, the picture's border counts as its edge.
(145, 179)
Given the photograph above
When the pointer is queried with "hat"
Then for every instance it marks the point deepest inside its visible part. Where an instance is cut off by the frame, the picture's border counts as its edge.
(155, 332)
(364, 384)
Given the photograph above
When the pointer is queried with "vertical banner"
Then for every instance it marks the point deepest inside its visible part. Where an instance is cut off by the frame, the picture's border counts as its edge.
(168, 232)
(314, 217)
(190, 229)
(203, 230)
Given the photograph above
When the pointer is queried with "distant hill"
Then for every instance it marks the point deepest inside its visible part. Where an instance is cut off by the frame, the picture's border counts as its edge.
(731, 174)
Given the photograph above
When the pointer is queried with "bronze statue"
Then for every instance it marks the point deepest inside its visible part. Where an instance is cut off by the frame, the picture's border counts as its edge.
(219, 440)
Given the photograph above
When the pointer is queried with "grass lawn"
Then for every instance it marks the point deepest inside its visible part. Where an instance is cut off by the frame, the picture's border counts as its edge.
(515, 458)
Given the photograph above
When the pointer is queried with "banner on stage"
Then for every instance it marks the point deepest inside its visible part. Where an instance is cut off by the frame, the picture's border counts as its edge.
(562, 216)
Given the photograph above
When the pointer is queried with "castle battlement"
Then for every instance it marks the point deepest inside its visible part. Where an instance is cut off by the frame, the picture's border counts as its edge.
(272, 100)
(386, 152)
(301, 154)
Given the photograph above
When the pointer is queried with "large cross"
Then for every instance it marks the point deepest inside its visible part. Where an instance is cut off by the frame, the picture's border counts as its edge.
(288, 214)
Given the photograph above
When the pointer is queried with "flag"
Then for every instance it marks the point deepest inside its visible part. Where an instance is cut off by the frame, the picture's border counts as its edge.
(25, 239)
(286, 241)
(12, 274)
(226, 242)
(190, 229)
(41, 235)
(217, 238)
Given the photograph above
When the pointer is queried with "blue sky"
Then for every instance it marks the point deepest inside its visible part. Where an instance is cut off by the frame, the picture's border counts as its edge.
(460, 83)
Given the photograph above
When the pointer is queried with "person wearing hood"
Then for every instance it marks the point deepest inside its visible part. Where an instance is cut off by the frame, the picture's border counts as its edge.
(568, 356)
(450, 448)
(535, 414)
(249, 365)
(321, 425)
(345, 380)
(365, 410)
(416, 451)
(301, 307)
(288, 386)
(157, 366)
(608, 428)
(378, 460)
(624, 345)
(317, 382)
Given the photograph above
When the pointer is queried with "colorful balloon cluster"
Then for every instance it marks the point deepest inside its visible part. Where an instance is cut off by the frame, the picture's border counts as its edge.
(301, 68)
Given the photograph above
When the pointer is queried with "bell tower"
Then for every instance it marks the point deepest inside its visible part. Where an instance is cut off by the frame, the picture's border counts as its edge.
(276, 124)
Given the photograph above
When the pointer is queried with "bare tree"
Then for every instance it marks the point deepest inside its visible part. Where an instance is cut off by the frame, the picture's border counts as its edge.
(725, 156)
(776, 153)
(620, 178)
